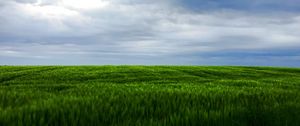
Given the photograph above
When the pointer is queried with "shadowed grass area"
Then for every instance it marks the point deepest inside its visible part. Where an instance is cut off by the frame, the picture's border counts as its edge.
(149, 95)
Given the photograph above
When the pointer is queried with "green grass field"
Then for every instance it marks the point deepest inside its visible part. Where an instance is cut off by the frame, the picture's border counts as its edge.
(149, 95)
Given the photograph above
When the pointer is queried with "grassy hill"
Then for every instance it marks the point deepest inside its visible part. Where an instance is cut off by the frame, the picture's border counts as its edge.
(149, 95)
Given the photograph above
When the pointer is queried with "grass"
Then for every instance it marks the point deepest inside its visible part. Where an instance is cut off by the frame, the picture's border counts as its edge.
(149, 95)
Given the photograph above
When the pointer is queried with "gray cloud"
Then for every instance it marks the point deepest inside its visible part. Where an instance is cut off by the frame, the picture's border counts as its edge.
(140, 31)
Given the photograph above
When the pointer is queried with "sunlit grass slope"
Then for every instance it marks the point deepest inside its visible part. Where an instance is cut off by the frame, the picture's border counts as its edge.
(149, 95)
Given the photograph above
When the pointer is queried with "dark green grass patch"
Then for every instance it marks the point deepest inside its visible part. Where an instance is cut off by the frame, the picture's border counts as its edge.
(149, 95)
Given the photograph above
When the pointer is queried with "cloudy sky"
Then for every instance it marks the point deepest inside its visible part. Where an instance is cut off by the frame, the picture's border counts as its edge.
(150, 32)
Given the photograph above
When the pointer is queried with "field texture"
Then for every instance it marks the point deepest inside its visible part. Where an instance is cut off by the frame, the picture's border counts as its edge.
(149, 95)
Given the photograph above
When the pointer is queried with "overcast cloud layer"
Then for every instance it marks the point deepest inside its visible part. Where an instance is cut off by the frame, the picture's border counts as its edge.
(175, 32)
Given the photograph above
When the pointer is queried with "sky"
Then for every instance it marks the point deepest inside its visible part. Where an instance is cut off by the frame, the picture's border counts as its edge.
(150, 32)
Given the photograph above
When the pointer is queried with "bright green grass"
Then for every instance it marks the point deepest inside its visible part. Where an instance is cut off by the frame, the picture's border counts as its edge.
(149, 95)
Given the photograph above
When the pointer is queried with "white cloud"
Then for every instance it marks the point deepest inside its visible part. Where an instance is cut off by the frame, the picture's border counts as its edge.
(125, 27)
(85, 4)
